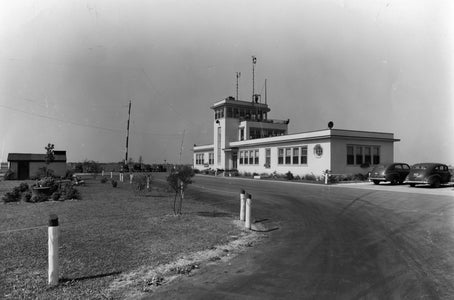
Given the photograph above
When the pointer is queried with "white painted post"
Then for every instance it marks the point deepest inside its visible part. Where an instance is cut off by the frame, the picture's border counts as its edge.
(242, 204)
(111, 175)
(53, 250)
(102, 173)
(247, 222)
(130, 178)
(148, 182)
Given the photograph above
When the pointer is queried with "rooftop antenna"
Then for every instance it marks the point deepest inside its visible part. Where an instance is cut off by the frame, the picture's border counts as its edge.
(254, 61)
(238, 75)
(265, 90)
(127, 133)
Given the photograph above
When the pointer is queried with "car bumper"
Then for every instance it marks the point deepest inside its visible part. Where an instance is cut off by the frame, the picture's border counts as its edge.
(371, 179)
(416, 181)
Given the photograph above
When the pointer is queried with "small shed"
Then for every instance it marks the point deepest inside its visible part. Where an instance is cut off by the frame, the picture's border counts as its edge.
(27, 165)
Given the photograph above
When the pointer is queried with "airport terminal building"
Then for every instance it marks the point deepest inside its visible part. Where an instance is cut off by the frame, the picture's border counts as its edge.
(245, 139)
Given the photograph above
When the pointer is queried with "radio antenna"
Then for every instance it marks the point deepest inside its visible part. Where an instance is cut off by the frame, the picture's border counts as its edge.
(254, 61)
(238, 75)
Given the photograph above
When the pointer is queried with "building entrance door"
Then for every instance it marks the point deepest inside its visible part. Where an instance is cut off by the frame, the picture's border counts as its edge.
(234, 161)
(23, 170)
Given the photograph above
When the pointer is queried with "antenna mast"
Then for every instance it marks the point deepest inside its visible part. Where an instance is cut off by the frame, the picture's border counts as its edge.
(265, 91)
(127, 133)
(254, 61)
(238, 75)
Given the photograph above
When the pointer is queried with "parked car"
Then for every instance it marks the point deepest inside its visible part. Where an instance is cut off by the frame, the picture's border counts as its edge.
(395, 173)
(433, 174)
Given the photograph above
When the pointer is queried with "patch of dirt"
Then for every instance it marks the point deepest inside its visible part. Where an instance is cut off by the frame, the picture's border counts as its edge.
(146, 279)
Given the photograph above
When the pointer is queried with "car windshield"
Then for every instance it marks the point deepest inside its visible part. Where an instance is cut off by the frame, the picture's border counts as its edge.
(419, 167)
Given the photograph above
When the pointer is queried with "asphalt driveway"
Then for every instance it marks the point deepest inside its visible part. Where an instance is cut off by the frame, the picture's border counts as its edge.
(332, 242)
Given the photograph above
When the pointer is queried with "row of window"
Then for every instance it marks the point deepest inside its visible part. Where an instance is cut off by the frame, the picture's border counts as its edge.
(257, 133)
(249, 157)
(238, 112)
(359, 154)
(292, 156)
(356, 155)
(200, 159)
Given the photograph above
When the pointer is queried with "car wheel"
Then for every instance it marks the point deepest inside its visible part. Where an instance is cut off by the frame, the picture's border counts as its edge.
(394, 181)
(412, 184)
(435, 183)
(376, 181)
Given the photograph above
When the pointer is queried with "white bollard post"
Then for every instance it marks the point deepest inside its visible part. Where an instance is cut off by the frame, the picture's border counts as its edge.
(111, 175)
(247, 223)
(102, 173)
(130, 178)
(242, 204)
(148, 182)
(53, 250)
(326, 178)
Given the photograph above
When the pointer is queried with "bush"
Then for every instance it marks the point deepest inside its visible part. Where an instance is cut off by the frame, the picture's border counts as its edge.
(26, 196)
(49, 182)
(39, 198)
(310, 177)
(23, 187)
(114, 183)
(196, 171)
(69, 192)
(103, 180)
(11, 197)
(289, 176)
(9, 175)
(360, 177)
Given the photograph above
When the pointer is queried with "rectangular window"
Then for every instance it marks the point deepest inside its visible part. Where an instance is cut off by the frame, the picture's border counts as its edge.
(296, 154)
(280, 158)
(256, 159)
(288, 155)
(350, 156)
(304, 155)
(359, 155)
(246, 157)
(241, 157)
(376, 155)
(251, 157)
(211, 158)
(267, 158)
(367, 155)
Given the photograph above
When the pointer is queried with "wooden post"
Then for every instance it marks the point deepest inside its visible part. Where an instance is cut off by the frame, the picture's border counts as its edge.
(111, 175)
(242, 204)
(247, 222)
(130, 178)
(53, 250)
(148, 182)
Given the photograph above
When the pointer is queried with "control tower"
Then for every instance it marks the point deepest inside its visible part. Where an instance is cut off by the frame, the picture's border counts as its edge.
(237, 120)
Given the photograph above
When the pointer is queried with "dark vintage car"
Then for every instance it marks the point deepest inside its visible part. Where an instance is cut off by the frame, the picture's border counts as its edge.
(433, 174)
(395, 173)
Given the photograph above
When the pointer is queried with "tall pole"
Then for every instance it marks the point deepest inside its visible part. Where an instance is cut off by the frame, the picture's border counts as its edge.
(238, 75)
(181, 147)
(254, 60)
(265, 90)
(127, 133)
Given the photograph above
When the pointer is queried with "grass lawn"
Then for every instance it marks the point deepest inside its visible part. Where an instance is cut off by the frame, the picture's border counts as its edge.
(109, 233)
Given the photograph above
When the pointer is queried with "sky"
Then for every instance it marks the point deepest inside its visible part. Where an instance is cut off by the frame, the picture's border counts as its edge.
(68, 70)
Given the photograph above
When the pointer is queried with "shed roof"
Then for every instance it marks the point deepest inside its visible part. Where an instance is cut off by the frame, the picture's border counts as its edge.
(60, 156)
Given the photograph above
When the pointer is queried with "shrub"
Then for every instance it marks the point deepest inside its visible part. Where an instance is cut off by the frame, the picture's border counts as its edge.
(69, 192)
(289, 175)
(23, 186)
(360, 177)
(49, 182)
(10, 197)
(114, 183)
(310, 177)
(9, 175)
(196, 171)
(39, 198)
(26, 196)
(103, 180)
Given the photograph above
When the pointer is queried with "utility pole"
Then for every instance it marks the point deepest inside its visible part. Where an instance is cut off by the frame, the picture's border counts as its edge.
(127, 133)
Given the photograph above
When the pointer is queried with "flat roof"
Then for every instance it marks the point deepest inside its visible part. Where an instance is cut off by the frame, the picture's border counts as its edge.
(60, 156)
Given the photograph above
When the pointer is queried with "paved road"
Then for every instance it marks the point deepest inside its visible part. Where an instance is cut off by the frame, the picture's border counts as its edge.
(333, 242)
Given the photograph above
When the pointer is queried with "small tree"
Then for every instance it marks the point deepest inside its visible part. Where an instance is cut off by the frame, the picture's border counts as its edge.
(50, 156)
(178, 181)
